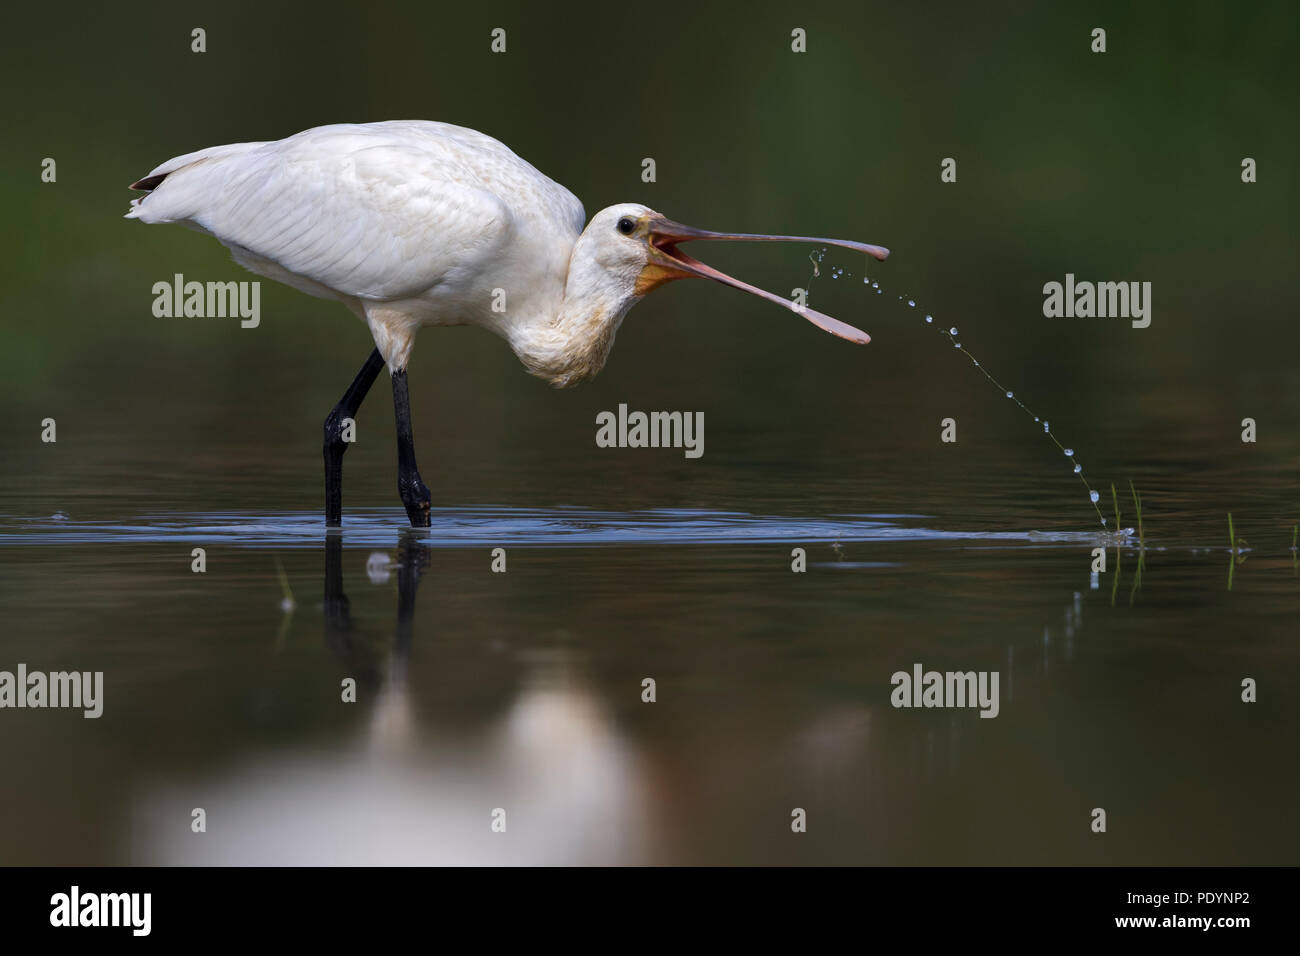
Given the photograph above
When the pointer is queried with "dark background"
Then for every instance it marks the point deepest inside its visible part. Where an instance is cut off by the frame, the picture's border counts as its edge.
(1118, 166)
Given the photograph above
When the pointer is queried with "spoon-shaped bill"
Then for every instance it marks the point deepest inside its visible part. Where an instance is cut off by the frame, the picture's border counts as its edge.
(670, 262)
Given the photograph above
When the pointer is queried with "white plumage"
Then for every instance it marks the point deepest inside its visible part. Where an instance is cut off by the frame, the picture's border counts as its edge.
(425, 219)
(414, 223)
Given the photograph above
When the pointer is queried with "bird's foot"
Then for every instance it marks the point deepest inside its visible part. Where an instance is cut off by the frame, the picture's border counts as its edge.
(417, 500)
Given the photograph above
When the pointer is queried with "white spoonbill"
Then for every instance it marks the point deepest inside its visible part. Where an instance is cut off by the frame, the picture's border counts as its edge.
(414, 223)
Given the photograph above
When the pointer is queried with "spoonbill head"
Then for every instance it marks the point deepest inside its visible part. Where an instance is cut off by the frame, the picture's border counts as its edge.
(627, 251)
(651, 242)
(414, 223)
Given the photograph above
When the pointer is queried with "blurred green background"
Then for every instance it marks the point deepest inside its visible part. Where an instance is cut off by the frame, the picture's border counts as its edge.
(1119, 166)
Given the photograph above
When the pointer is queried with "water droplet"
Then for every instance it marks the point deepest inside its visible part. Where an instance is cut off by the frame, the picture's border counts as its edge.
(912, 303)
(875, 285)
(956, 345)
(58, 516)
(1047, 426)
(1078, 468)
(953, 330)
(865, 280)
(1103, 520)
(1095, 498)
(1069, 453)
(1011, 394)
(929, 319)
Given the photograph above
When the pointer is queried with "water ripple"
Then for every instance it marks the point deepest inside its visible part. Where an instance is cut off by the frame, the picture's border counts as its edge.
(521, 527)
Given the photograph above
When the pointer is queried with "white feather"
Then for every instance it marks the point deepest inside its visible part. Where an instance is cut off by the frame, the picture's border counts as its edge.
(410, 223)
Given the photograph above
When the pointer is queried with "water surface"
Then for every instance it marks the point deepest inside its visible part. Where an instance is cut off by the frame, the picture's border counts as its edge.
(481, 690)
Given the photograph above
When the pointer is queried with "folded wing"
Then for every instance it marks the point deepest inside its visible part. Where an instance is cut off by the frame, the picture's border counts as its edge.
(377, 211)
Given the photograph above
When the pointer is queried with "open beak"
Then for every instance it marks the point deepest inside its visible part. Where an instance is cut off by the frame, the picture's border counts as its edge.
(668, 262)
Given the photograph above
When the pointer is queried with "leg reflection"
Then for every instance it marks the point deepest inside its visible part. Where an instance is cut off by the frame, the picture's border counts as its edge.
(413, 557)
(338, 611)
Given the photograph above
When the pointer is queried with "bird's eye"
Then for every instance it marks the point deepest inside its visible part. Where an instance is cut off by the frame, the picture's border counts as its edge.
(626, 226)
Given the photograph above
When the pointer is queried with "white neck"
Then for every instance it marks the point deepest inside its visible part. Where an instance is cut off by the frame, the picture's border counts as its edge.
(572, 345)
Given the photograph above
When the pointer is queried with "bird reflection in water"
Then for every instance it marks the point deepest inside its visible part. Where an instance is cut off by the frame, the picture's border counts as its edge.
(407, 791)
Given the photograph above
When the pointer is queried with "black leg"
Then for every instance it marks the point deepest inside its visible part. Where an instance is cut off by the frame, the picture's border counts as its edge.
(415, 496)
(335, 446)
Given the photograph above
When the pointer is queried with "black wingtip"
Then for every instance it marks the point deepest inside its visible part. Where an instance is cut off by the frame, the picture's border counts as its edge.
(149, 182)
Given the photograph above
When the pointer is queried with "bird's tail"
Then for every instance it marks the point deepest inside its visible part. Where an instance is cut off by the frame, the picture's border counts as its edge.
(178, 164)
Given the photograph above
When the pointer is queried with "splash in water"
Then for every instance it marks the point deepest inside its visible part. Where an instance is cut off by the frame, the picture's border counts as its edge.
(951, 332)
